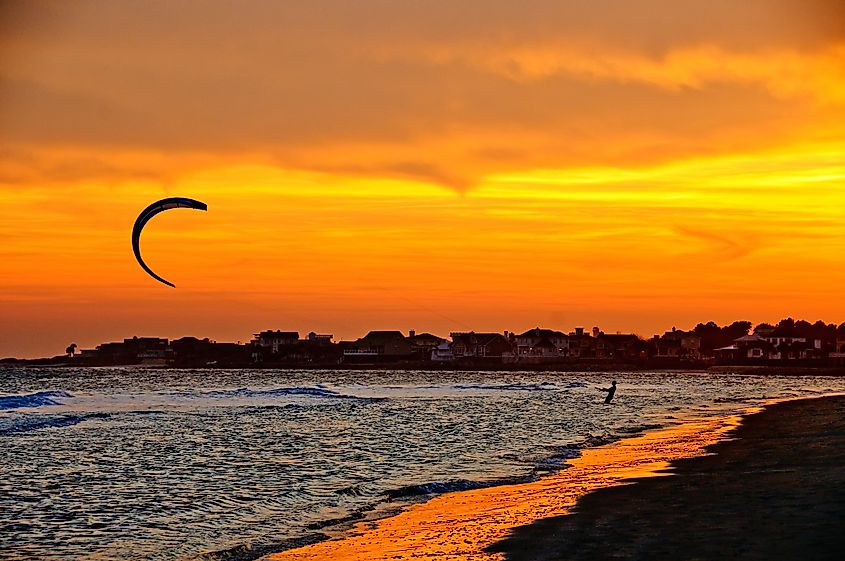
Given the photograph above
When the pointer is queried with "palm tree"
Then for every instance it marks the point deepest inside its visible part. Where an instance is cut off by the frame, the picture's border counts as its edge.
(71, 350)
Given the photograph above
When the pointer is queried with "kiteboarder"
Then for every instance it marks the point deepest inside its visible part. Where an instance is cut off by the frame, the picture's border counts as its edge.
(610, 391)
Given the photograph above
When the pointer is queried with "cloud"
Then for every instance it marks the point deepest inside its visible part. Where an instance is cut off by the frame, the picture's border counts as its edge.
(437, 92)
(783, 72)
(723, 247)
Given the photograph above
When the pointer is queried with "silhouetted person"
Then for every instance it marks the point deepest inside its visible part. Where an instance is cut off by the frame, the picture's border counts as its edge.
(610, 391)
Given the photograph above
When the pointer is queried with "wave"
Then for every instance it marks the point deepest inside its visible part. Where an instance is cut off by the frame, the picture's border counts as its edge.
(251, 552)
(27, 423)
(733, 399)
(352, 491)
(440, 487)
(37, 399)
(545, 386)
(572, 385)
(315, 391)
(638, 429)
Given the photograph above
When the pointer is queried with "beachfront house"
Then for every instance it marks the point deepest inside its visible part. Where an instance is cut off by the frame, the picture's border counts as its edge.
(137, 350)
(422, 344)
(191, 351)
(275, 340)
(581, 345)
(542, 343)
(481, 345)
(753, 347)
(838, 354)
(678, 344)
(382, 343)
(319, 338)
(619, 346)
(442, 353)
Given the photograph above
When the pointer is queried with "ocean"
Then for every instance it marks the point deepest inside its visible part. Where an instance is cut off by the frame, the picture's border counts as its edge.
(167, 464)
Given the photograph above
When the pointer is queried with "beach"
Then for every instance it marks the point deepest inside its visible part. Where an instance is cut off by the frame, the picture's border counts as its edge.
(775, 492)
(767, 485)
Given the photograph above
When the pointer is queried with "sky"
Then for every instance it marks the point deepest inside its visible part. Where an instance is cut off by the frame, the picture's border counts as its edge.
(476, 164)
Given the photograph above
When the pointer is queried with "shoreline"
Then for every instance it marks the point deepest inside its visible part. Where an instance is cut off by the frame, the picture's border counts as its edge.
(465, 524)
(552, 368)
(774, 490)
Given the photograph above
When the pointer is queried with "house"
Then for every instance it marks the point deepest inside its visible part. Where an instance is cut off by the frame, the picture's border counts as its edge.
(320, 339)
(788, 344)
(545, 343)
(838, 354)
(383, 343)
(581, 345)
(544, 348)
(727, 355)
(619, 346)
(442, 353)
(274, 340)
(779, 336)
(191, 351)
(137, 350)
(678, 344)
(422, 344)
(481, 345)
(753, 347)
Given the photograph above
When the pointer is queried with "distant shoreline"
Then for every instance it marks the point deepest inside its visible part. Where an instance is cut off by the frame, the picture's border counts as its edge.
(586, 366)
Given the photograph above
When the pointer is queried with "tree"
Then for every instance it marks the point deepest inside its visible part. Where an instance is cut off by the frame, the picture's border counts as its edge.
(71, 350)
(711, 336)
(737, 329)
(787, 323)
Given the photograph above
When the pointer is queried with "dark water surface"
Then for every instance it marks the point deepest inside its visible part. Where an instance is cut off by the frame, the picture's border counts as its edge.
(133, 463)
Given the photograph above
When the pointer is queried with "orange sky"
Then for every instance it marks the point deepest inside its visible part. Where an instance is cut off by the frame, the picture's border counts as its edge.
(393, 165)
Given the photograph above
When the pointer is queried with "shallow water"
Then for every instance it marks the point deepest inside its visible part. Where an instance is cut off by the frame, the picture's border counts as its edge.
(132, 463)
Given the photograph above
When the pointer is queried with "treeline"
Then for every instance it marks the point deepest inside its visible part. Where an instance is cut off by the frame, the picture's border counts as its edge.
(714, 337)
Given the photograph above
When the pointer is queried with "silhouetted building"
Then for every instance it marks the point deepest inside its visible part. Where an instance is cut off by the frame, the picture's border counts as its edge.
(542, 343)
(320, 339)
(383, 343)
(581, 345)
(678, 344)
(274, 340)
(137, 350)
(422, 344)
(619, 346)
(481, 345)
(443, 352)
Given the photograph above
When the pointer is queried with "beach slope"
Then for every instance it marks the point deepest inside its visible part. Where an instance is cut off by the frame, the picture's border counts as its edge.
(777, 491)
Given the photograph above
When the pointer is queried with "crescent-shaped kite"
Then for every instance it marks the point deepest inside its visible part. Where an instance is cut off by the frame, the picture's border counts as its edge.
(147, 214)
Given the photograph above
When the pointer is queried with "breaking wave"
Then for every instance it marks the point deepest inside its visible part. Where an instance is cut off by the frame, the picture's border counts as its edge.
(27, 423)
(440, 487)
(251, 552)
(37, 399)
(545, 386)
(307, 391)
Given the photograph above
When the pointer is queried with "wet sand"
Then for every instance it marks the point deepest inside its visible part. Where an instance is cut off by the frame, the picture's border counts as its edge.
(463, 525)
(776, 492)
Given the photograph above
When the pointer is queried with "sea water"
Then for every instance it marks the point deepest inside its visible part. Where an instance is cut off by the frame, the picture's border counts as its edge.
(166, 464)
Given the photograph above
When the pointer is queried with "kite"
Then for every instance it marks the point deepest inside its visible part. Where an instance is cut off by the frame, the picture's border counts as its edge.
(147, 214)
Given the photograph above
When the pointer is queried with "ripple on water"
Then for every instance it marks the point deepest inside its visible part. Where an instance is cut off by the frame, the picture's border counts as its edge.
(173, 464)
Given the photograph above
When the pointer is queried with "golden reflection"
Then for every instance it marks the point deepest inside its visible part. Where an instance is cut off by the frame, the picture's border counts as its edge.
(459, 526)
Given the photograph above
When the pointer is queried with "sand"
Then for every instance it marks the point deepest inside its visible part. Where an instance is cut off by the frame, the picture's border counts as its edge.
(776, 492)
